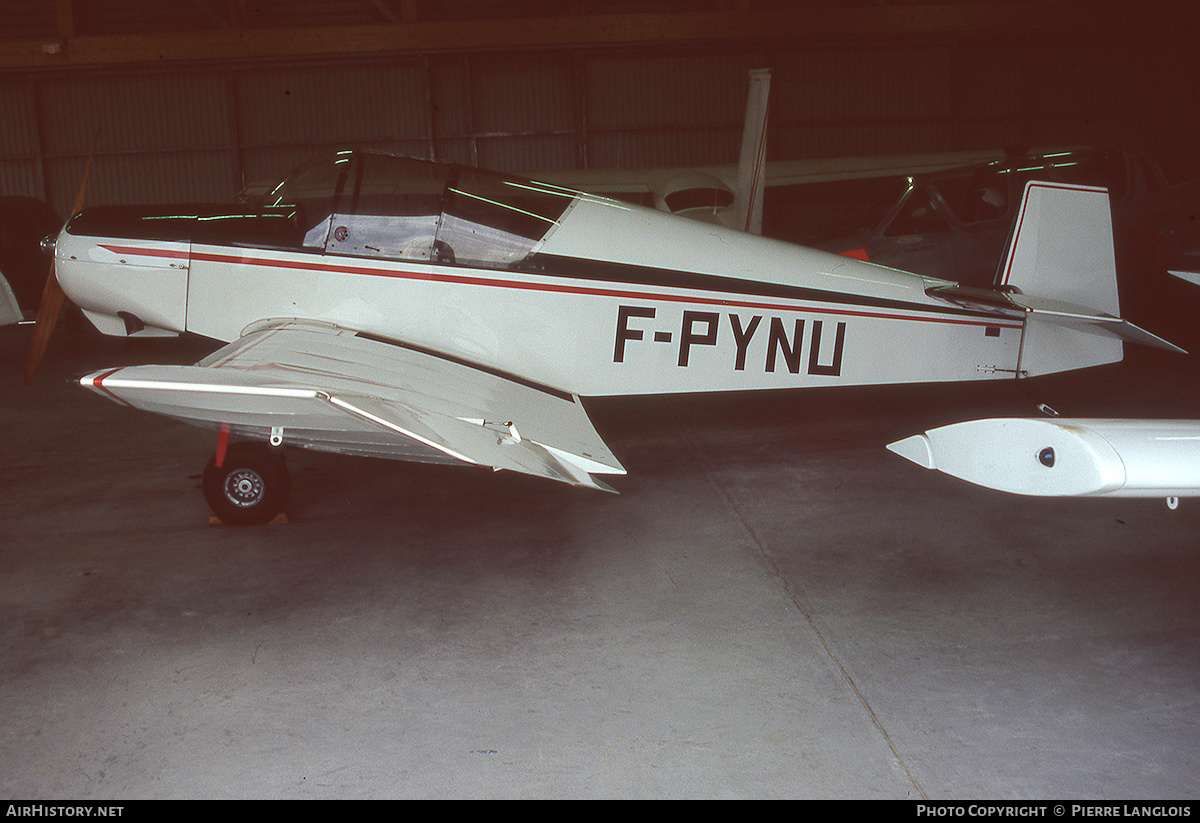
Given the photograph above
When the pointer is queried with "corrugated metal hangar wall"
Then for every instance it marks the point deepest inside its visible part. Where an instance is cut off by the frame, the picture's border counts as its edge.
(200, 131)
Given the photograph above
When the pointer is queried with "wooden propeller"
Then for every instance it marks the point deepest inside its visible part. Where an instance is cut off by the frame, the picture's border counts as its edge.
(52, 294)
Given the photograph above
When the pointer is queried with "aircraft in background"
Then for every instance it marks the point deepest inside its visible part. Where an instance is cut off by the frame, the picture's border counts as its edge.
(10, 309)
(954, 223)
(400, 308)
(24, 223)
(707, 193)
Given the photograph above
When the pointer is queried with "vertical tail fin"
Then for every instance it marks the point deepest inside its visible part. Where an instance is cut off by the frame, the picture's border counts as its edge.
(1062, 247)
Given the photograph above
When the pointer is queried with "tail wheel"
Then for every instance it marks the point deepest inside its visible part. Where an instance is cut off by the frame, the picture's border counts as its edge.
(249, 488)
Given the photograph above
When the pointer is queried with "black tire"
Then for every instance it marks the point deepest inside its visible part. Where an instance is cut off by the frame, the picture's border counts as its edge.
(251, 486)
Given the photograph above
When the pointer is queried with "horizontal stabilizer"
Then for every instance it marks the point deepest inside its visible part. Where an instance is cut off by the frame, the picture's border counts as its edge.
(1060, 457)
(1054, 312)
(1081, 319)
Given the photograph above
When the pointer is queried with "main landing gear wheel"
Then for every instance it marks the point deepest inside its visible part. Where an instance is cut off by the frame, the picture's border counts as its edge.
(250, 487)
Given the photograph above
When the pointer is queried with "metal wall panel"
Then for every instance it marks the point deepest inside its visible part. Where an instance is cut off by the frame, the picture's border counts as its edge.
(196, 176)
(289, 113)
(462, 150)
(159, 111)
(873, 84)
(829, 103)
(530, 153)
(19, 136)
(450, 98)
(522, 96)
(523, 112)
(665, 147)
(182, 135)
(1099, 98)
(20, 173)
(18, 178)
(665, 111)
(629, 92)
(202, 175)
(159, 137)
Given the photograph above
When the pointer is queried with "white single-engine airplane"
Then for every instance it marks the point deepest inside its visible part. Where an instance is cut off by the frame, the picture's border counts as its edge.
(394, 307)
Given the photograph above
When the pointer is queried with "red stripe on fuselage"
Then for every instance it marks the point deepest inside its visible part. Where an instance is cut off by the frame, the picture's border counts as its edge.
(438, 277)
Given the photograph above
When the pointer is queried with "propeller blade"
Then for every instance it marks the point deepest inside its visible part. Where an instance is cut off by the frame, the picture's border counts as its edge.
(47, 316)
(52, 294)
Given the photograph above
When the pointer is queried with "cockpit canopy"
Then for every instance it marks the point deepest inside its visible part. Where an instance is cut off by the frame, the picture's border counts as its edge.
(374, 205)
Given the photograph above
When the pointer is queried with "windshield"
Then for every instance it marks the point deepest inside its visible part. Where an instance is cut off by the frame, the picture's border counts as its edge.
(311, 190)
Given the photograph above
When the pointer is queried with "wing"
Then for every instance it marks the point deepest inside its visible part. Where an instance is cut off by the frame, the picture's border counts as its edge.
(1065, 457)
(334, 389)
(778, 172)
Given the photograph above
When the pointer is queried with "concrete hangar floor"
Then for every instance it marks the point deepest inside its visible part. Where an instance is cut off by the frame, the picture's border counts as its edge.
(774, 606)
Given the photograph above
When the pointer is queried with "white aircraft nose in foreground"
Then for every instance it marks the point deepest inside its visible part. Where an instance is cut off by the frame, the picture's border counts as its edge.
(400, 308)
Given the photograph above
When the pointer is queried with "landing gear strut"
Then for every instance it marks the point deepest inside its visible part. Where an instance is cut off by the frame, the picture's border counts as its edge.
(250, 487)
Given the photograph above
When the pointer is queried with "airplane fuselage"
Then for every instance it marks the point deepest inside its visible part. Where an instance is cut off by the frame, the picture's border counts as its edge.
(614, 300)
